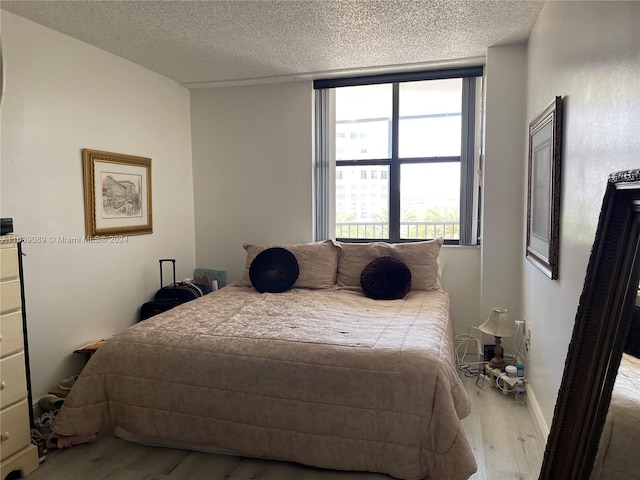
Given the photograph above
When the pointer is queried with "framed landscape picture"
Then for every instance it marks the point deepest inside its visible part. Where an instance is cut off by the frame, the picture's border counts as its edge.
(117, 194)
(543, 190)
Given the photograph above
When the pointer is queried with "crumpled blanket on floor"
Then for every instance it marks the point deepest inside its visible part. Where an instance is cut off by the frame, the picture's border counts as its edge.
(60, 441)
(327, 378)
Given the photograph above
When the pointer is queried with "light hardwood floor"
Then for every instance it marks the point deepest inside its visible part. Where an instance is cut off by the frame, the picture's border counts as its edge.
(502, 434)
(500, 431)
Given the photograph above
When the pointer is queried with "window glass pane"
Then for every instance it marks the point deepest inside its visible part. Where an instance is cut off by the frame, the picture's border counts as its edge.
(430, 201)
(430, 118)
(363, 122)
(364, 212)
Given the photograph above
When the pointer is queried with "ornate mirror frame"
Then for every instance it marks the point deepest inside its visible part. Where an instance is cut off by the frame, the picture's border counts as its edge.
(599, 334)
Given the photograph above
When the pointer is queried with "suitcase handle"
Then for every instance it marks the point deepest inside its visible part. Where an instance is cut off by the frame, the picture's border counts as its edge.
(173, 263)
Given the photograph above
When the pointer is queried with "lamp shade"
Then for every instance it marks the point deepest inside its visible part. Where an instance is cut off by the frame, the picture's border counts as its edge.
(498, 324)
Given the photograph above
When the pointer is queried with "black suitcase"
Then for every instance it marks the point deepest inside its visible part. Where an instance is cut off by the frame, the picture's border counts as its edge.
(172, 295)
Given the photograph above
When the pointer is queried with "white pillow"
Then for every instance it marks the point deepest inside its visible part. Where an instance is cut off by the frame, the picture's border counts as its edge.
(318, 263)
(420, 257)
(353, 258)
(441, 263)
(422, 260)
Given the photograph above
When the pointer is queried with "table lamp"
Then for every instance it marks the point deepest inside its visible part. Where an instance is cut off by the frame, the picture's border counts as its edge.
(498, 325)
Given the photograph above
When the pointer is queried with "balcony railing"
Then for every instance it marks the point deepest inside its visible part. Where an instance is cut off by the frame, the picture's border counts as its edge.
(408, 230)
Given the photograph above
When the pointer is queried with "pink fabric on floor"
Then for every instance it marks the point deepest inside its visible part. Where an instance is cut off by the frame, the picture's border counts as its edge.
(61, 441)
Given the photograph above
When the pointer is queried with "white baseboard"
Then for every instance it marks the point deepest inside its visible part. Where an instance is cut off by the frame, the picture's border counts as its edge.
(539, 421)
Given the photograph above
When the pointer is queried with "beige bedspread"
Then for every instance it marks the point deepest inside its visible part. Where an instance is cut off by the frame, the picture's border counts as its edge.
(327, 378)
(617, 457)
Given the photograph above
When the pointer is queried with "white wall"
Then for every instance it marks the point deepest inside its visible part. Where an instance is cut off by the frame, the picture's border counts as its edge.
(63, 95)
(252, 161)
(503, 187)
(461, 279)
(589, 53)
(252, 170)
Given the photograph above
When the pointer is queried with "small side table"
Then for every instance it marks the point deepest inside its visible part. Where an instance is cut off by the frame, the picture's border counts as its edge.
(88, 350)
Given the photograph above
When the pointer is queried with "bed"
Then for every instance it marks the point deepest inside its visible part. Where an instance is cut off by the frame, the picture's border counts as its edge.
(318, 374)
(617, 457)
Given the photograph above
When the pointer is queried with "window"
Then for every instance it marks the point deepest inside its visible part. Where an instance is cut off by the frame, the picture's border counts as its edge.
(410, 137)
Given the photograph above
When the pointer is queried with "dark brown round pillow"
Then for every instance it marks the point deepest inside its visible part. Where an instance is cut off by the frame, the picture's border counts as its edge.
(274, 270)
(386, 278)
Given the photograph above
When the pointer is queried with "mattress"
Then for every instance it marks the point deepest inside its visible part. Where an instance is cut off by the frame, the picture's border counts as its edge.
(326, 377)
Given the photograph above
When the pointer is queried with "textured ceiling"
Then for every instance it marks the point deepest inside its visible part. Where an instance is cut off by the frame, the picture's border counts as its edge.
(215, 42)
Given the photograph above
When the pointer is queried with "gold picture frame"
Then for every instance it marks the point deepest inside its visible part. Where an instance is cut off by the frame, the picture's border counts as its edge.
(117, 194)
(543, 189)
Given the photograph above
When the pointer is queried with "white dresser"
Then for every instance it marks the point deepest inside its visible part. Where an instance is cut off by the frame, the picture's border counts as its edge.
(17, 453)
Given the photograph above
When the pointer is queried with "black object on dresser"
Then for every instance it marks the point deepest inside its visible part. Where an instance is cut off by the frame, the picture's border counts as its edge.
(6, 226)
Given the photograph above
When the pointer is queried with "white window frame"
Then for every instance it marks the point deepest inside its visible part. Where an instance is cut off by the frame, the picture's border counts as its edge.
(325, 162)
